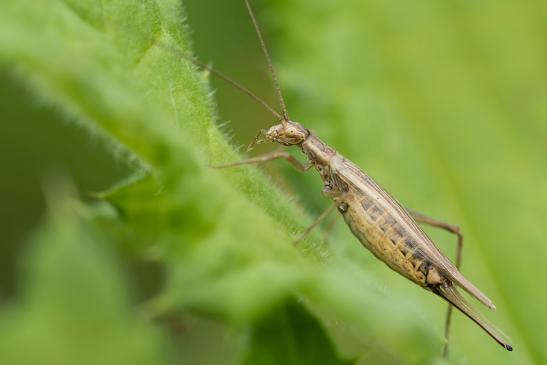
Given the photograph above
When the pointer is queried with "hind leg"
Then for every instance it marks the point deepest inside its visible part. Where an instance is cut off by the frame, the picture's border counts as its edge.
(421, 218)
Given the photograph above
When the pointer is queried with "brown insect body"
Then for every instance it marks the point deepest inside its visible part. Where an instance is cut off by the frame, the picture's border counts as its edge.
(382, 224)
(368, 210)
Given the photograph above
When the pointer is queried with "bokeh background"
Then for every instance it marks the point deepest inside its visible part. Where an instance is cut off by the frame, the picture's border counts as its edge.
(443, 103)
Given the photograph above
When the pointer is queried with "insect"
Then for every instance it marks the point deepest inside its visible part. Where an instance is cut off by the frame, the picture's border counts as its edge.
(379, 222)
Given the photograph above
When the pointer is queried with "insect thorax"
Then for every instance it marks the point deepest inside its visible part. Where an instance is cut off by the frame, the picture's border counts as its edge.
(320, 156)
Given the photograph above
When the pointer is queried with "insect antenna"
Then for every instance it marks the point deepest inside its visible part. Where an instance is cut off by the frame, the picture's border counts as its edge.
(222, 76)
(234, 83)
(270, 64)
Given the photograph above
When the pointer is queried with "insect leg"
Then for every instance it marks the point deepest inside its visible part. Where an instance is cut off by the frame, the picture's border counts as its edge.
(421, 218)
(330, 228)
(266, 158)
(319, 219)
(452, 228)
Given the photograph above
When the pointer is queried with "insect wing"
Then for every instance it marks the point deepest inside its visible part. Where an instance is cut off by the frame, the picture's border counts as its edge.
(451, 294)
(424, 245)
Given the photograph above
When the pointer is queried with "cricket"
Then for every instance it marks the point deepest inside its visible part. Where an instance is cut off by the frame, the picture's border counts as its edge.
(375, 218)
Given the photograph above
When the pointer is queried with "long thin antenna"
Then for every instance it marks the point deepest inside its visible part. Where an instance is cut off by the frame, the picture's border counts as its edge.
(235, 84)
(179, 52)
(220, 75)
(270, 64)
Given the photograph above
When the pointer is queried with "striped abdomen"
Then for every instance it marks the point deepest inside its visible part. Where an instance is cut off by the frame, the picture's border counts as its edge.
(380, 233)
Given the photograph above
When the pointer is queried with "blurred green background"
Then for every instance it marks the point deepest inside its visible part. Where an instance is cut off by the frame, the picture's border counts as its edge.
(443, 103)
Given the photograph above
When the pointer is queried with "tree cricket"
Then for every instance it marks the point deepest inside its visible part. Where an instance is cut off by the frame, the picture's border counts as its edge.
(381, 224)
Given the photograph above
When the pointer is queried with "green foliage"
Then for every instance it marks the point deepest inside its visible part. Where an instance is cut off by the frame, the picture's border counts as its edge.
(73, 307)
(419, 108)
(444, 104)
(291, 336)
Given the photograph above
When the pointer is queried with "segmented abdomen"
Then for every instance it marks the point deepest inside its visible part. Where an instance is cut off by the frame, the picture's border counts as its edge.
(379, 231)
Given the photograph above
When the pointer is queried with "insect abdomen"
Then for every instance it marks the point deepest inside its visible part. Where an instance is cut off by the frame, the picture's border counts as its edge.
(378, 230)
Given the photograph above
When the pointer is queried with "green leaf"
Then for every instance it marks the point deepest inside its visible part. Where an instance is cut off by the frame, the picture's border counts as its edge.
(222, 237)
(73, 306)
(418, 108)
(148, 99)
(290, 336)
